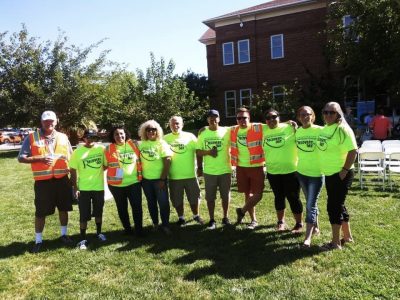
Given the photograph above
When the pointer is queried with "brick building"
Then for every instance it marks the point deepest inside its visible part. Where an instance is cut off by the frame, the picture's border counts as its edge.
(274, 42)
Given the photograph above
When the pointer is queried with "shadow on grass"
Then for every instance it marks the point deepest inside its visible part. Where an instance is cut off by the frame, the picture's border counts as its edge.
(9, 154)
(230, 252)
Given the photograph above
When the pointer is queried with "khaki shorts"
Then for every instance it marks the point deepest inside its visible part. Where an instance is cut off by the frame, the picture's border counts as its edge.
(250, 180)
(214, 182)
(179, 186)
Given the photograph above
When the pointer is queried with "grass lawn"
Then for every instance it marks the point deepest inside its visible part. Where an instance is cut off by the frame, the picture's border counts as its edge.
(194, 262)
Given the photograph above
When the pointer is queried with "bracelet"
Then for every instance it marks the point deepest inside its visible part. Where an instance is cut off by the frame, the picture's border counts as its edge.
(345, 169)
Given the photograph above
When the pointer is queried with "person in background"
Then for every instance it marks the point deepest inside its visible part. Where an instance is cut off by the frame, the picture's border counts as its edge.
(124, 175)
(156, 158)
(248, 156)
(381, 126)
(213, 146)
(338, 151)
(368, 118)
(281, 161)
(48, 152)
(87, 177)
(309, 168)
(182, 173)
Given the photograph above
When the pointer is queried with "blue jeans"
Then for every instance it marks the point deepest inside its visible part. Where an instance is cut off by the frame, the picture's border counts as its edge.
(154, 196)
(311, 187)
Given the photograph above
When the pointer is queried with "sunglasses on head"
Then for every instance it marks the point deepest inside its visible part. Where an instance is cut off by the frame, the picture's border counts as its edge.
(241, 118)
(271, 117)
(329, 112)
(151, 129)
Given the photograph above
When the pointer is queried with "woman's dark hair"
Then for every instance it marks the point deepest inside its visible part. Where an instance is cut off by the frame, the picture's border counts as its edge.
(111, 133)
(271, 110)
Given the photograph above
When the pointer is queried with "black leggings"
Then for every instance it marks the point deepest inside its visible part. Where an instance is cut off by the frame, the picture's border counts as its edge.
(337, 191)
(286, 186)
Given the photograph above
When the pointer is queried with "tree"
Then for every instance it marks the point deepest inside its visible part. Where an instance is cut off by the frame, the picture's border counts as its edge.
(161, 94)
(368, 47)
(35, 76)
(286, 104)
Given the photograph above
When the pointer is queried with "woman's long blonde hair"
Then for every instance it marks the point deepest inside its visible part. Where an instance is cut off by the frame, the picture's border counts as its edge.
(150, 124)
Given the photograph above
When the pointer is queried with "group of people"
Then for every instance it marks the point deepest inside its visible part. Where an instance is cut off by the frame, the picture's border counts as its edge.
(165, 168)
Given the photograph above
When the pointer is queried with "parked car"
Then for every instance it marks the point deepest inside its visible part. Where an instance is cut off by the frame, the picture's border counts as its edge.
(7, 137)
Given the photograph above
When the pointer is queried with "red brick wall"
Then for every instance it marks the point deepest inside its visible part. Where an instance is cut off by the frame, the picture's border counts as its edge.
(303, 48)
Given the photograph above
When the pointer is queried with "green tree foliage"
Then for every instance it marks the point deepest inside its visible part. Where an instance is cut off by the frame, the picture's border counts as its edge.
(369, 48)
(35, 76)
(286, 104)
(161, 94)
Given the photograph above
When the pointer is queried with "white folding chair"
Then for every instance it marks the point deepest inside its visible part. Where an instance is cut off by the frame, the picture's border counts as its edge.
(371, 146)
(390, 142)
(393, 166)
(371, 162)
(389, 149)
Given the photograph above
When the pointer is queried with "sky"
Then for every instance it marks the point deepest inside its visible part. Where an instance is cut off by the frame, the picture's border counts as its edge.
(170, 29)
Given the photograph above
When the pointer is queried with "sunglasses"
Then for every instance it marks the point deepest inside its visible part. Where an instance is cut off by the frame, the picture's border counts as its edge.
(305, 114)
(271, 117)
(151, 129)
(241, 118)
(329, 112)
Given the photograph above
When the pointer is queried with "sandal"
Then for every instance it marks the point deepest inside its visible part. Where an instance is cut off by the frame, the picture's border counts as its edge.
(280, 226)
(297, 228)
(330, 246)
(343, 241)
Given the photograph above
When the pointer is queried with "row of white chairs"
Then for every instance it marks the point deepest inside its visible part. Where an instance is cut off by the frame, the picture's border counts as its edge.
(378, 162)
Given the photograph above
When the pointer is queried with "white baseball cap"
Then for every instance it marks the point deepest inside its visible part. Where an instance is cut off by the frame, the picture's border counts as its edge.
(49, 115)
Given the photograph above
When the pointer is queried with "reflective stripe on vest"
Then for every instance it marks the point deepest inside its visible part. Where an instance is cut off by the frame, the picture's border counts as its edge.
(113, 163)
(59, 168)
(254, 144)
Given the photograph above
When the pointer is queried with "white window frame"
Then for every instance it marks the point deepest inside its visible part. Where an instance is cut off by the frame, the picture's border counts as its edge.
(233, 53)
(274, 94)
(272, 49)
(247, 50)
(226, 103)
(347, 20)
(241, 97)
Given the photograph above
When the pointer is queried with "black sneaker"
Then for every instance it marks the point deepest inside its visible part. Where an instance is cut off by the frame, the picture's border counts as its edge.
(36, 248)
(180, 222)
(199, 220)
(66, 240)
(239, 215)
(212, 225)
(226, 221)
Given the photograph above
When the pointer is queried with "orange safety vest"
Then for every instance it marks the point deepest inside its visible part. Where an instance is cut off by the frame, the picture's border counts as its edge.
(114, 165)
(254, 144)
(59, 168)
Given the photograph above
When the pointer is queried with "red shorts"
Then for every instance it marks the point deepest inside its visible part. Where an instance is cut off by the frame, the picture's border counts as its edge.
(250, 180)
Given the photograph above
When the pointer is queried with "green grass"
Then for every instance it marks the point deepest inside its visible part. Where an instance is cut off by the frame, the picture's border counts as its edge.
(193, 262)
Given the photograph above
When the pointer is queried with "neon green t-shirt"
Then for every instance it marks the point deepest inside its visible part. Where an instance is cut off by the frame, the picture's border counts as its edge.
(220, 139)
(127, 161)
(244, 154)
(307, 151)
(183, 148)
(152, 154)
(334, 142)
(88, 162)
(280, 149)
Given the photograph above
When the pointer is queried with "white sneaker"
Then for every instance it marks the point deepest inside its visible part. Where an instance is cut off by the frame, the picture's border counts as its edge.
(101, 237)
(82, 245)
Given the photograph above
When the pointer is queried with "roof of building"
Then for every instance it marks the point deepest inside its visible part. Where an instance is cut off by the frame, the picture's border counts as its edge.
(253, 10)
(274, 4)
